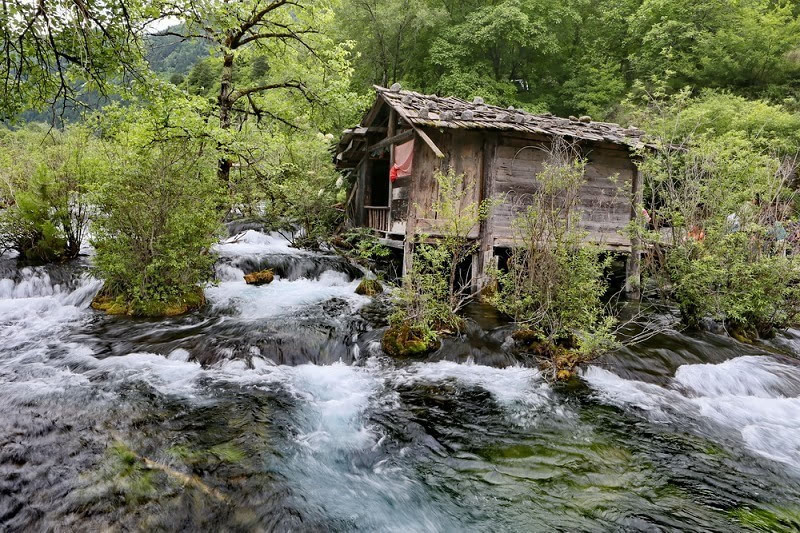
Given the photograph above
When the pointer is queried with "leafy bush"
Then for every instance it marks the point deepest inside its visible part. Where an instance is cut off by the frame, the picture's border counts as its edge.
(554, 282)
(723, 215)
(158, 222)
(48, 176)
(434, 291)
(289, 180)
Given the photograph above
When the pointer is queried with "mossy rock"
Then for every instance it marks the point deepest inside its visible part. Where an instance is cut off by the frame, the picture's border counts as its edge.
(526, 337)
(110, 304)
(406, 341)
(369, 287)
(118, 305)
(262, 277)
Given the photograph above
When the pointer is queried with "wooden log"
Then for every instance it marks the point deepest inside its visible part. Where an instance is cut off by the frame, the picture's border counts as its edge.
(395, 139)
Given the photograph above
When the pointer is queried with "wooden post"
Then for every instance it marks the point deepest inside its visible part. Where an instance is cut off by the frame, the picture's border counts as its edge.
(633, 267)
(408, 255)
(486, 236)
(390, 133)
(361, 192)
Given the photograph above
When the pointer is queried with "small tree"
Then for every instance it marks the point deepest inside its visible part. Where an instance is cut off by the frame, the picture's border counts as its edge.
(554, 282)
(433, 292)
(158, 222)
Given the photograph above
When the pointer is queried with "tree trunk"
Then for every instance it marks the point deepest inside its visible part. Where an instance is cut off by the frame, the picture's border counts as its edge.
(225, 106)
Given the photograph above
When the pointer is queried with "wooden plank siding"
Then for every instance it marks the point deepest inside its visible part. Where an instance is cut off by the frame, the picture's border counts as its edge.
(463, 152)
(604, 198)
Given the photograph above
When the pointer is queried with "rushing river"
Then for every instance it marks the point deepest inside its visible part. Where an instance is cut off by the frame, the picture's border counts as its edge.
(275, 409)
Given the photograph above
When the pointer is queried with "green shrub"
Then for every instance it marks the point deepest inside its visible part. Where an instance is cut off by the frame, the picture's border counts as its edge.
(723, 211)
(48, 176)
(158, 221)
(433, 292)
(554, 283)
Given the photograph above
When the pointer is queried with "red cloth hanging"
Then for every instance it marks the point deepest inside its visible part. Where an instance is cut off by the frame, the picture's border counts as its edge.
(403, 159)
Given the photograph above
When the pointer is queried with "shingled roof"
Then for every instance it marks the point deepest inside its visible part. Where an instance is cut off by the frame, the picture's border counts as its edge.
(450, 112)
(428, 110)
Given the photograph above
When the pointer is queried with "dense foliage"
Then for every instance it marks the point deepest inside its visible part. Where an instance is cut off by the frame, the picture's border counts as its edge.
(575, 56)
(158, 217)
(723, 210)
(46, 177)
(553, 283)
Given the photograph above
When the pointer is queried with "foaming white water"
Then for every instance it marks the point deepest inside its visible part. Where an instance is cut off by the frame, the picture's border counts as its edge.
(282, 296)
(520, 391)
(255, 243)
(756, 376)
(756, 397)
(35, 308)
(34, 282)
(227, 272)
(335, 398)
(339, 464)
(507, 385)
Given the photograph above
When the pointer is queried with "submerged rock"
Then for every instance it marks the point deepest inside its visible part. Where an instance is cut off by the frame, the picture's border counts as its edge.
(369, 287)
(376, 312)
(118, 305)
(261, 277)
(407, 341)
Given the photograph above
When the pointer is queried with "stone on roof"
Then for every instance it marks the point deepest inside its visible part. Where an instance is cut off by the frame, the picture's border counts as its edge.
(450, 112)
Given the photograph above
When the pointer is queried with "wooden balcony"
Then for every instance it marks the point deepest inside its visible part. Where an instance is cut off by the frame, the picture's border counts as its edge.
(377, 217)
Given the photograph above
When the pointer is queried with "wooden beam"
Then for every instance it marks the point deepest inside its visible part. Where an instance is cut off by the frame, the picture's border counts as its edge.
(421, 133)
(395, 139)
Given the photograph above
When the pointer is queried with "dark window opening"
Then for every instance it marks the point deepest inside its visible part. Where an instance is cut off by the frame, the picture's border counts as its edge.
(379, 183)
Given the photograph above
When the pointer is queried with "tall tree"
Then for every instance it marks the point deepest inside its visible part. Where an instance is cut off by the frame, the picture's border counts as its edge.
(303, 66)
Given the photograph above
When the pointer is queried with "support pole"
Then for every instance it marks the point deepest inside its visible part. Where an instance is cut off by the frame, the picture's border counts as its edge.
(408, 256)
(633, 266)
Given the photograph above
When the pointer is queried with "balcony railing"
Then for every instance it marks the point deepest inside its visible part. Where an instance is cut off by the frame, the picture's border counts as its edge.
(377, 217)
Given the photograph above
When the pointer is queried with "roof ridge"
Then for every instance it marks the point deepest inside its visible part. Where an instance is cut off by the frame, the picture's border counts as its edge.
(458, 113)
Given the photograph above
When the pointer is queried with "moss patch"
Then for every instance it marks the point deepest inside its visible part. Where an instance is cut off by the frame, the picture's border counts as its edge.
(406, 341)
(557, 360)
(262, 277)
(118, 305)
(369, 287)
(775, 519)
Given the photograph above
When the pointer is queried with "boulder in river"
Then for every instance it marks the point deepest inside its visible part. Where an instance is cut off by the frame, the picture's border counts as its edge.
(106, 301)
(262, 277)
(369, 287)
(407, 341)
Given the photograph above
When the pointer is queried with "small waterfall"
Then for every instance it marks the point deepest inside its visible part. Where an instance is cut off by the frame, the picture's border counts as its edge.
(756, 397)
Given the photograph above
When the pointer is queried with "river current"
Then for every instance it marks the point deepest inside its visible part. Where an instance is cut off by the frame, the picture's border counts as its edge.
(274, 409)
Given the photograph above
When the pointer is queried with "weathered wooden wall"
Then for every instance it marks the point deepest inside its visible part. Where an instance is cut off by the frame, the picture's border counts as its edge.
(464, 154)
(605, 197)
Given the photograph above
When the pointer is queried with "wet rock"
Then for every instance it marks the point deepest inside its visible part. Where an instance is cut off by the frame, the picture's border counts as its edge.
(369, 287)
(106, 301)
(261, 277)
(376, 313)
(525, 337)
(335, 306)
(714, 326)
(407, 341)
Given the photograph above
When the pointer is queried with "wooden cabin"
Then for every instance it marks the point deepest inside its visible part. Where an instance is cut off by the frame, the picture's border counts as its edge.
(417, 134)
